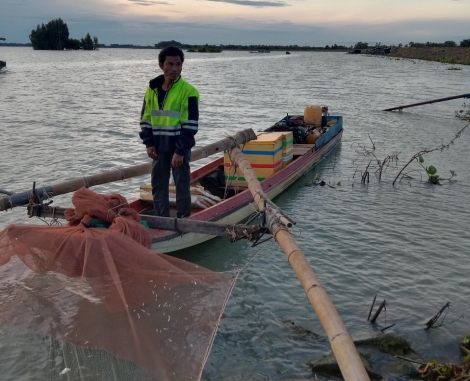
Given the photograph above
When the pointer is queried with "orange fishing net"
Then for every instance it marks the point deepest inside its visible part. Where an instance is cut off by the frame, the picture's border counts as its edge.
(105, 289)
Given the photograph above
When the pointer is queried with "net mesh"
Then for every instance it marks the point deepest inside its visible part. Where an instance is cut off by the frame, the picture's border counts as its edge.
(104, 301)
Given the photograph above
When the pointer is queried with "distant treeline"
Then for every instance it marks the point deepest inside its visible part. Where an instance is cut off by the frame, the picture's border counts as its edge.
(447, 44)
(88, 43)
(164, 44)
(450, 44)
(359, 45)
(55, 36)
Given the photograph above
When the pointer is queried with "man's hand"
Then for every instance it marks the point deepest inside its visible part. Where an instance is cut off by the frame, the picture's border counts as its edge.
(177, 160)
(152, 153)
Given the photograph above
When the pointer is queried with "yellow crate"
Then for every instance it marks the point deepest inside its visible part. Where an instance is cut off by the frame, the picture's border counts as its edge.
(287, 147)
(264, 155)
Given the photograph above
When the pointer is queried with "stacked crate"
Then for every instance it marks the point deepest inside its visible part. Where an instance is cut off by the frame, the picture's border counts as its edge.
(287, 147)
(265, 157)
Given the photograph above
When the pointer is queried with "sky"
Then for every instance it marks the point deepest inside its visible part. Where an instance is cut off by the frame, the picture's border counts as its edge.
(243, 22)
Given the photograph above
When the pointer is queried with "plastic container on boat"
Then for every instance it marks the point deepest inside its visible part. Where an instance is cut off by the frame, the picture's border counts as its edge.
(313, 136)
(313, 115)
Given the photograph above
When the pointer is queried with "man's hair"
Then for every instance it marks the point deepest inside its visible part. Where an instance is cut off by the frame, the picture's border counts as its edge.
(170, 51)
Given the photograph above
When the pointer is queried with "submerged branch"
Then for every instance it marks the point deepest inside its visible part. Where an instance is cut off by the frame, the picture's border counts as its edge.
(425, 151)
(433, 320)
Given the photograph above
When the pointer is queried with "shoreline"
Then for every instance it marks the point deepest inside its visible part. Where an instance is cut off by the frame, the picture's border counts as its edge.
(454, 55)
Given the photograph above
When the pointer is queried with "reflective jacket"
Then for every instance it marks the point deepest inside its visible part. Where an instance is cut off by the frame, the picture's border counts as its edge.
(171, 127)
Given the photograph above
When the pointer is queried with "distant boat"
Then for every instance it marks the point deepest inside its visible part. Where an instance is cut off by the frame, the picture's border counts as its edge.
(2, 64)
(287, 52)
(260, 51)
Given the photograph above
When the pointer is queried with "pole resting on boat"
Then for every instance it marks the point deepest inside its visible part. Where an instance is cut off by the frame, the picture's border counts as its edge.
(341, 342)
(399, 108)
(233, 232)
(261, 199)
(43, 193)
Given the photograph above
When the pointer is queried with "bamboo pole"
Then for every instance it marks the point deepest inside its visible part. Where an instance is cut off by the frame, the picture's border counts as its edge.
(428, 102)
(341, 343)
(23, 198)
(234, 232)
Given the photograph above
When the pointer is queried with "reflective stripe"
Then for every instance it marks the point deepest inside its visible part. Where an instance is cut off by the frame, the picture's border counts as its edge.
(168, 128)
(145, 124)
(190, 124)
(166, 133)
(172, 114)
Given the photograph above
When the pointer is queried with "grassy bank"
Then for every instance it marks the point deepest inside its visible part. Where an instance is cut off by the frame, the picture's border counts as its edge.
(456, 55)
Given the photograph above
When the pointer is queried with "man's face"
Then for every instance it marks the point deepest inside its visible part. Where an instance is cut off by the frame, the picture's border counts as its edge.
(172, 67)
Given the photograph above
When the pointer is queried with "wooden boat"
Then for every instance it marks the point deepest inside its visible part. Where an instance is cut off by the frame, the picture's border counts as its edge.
(239, 206)
(236, 202)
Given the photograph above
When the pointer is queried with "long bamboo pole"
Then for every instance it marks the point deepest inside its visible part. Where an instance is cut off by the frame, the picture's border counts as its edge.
(341, 343)
(23, 198)
(428, 102)
(234, 232)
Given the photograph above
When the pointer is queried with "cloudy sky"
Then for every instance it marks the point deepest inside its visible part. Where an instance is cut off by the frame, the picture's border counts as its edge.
(245, 22)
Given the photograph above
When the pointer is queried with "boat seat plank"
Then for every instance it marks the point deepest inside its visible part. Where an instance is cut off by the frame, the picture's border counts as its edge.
(302, 149)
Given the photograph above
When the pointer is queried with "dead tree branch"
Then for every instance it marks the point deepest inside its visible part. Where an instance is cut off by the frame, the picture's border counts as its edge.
(433, 320)
(425, 151)
(382, 306)
(371, 307)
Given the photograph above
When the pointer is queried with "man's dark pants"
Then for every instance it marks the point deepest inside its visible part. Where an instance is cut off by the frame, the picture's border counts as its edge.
(161, 168)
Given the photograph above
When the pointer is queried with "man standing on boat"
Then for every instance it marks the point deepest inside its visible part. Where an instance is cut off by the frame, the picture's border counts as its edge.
(169, 121)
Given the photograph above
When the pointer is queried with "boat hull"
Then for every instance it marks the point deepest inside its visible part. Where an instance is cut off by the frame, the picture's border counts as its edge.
(241, 206)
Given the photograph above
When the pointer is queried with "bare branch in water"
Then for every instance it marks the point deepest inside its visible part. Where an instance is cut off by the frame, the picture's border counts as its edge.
(379, 310)
(425, 151)
(390, 326)
(372, 307)
(373, 145)
(431, 321)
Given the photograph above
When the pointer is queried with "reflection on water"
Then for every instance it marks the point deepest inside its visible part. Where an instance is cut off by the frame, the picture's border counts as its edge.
(68, 114)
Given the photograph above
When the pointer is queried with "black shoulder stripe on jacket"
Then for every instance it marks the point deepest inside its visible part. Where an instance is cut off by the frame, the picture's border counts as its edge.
(143, 110)
(193, 108)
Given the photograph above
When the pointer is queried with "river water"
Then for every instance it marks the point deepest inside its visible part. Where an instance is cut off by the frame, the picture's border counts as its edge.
(68, 114)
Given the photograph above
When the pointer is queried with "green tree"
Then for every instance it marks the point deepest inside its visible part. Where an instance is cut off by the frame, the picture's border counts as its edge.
(165, 44)
(465, 43)
(86, 43)
(55, 36)
(52, 36)
(96, 45)
(449, 44)
(73, 44)
(361, 45)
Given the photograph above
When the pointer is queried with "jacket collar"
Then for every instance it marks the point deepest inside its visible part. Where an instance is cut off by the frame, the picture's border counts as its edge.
(160, 80)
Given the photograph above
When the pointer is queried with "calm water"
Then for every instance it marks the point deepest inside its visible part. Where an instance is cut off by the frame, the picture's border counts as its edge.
(67, 114)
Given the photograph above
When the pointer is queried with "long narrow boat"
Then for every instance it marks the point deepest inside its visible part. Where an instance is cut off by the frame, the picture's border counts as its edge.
(239, 206)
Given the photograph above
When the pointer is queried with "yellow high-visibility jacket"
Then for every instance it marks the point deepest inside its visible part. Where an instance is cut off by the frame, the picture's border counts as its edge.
(169, 120)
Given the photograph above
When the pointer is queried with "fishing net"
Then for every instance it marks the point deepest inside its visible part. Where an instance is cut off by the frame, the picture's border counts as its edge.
(103, 305)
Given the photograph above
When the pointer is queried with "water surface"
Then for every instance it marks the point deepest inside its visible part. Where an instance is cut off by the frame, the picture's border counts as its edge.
(69, 114)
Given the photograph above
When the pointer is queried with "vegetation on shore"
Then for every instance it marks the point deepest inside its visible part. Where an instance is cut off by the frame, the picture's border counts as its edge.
(164, 44)
(447, 52)
(55, 36)
(205, 49)
(448, 55)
